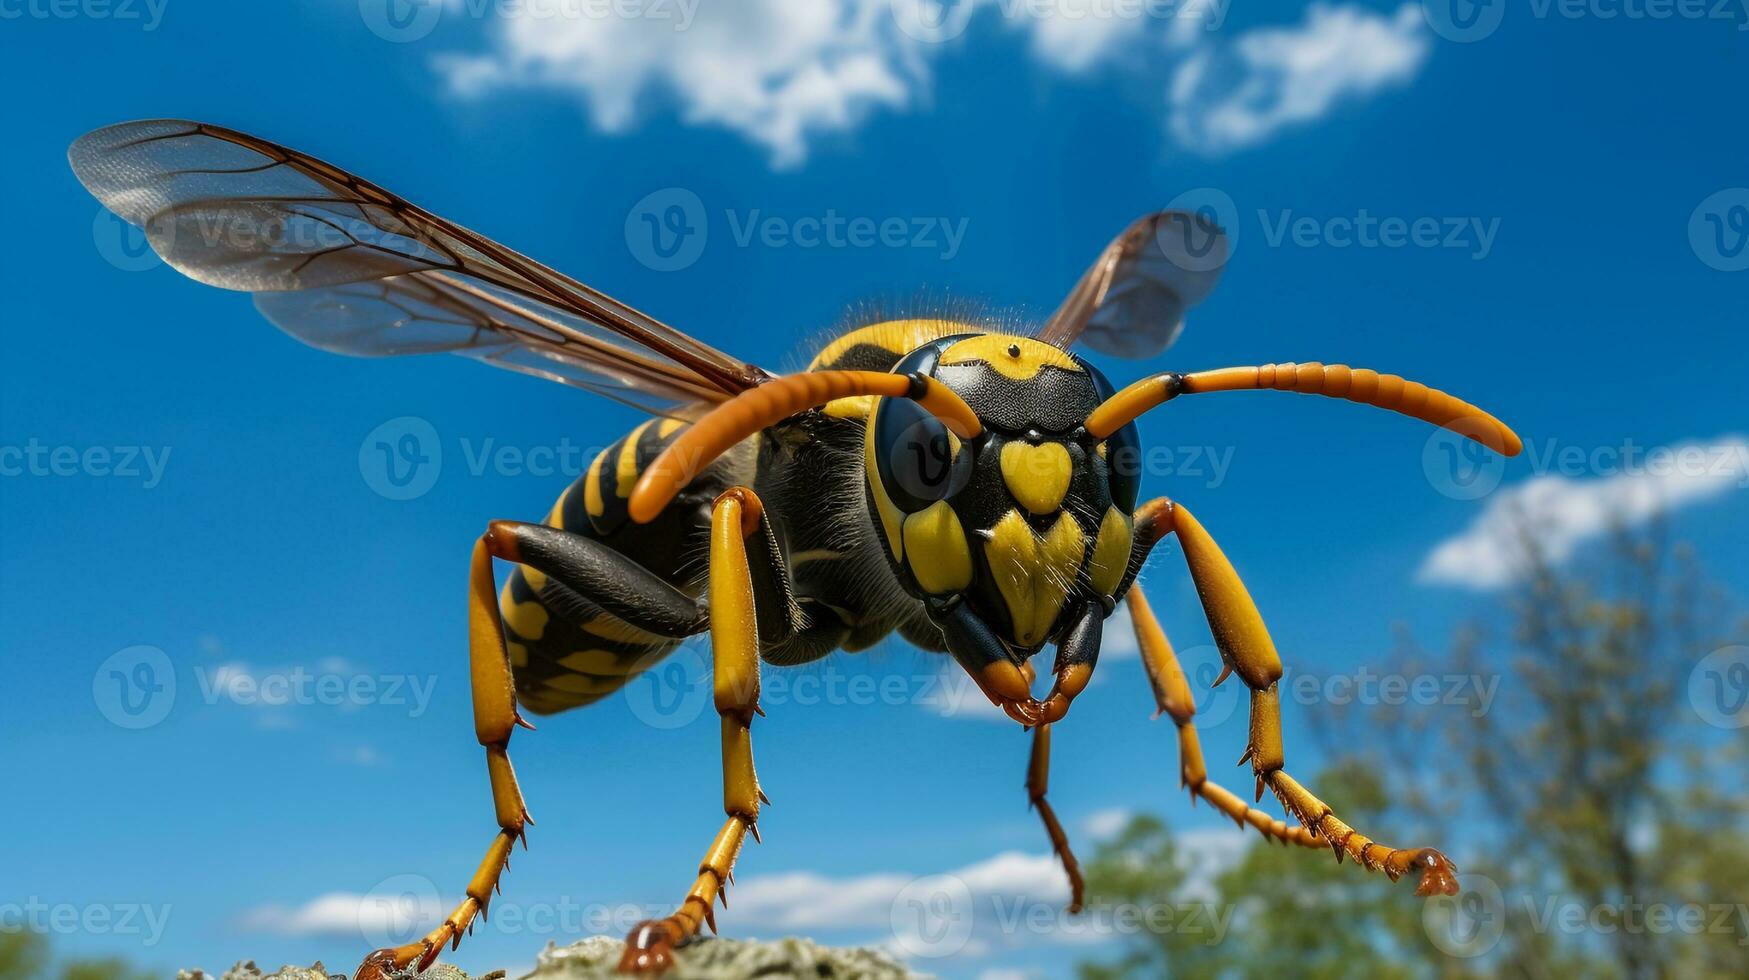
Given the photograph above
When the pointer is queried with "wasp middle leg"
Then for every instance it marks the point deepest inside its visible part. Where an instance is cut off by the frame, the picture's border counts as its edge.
(735, 590)
(1247, 650)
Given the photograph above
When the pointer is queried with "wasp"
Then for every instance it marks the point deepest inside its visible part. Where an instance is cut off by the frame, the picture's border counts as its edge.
(973, 489)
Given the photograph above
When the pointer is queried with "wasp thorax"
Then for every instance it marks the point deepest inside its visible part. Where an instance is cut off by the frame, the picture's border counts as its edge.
(1025, 517)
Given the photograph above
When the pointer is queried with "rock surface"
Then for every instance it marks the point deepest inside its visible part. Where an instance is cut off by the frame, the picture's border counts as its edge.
(704, 959)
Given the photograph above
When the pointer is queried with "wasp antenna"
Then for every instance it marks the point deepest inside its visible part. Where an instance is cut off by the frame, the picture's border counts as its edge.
(1360, 385)
(758, 408)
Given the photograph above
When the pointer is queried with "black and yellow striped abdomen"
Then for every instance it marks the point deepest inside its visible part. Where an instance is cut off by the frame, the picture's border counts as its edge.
(566, 651)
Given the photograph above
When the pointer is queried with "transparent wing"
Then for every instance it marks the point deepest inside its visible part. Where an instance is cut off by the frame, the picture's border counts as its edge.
(1131, 302)
(344, 265)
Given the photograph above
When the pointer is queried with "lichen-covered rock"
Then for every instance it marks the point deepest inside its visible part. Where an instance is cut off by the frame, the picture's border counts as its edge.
(725, 959)
(702, 959)
(247, 970)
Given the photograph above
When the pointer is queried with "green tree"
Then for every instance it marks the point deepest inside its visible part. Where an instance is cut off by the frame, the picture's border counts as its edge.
(26, 955)
(1588, 795)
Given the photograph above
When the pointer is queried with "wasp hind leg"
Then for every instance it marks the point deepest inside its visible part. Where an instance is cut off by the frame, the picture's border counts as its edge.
(620, 586)
(1247, 650)
(736, 517)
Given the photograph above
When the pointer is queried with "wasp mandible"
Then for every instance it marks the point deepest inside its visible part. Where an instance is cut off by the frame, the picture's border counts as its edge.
(972, 489)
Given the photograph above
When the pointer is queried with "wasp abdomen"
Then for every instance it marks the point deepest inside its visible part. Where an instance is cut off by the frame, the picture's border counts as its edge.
(565, 649)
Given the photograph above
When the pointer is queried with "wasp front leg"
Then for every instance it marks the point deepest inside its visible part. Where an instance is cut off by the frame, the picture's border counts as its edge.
(1172, 697)
(735, 637)
(1038, 773)
(1247, 650)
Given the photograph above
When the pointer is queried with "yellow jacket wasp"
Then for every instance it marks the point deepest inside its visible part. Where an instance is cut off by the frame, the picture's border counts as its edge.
(973, 490)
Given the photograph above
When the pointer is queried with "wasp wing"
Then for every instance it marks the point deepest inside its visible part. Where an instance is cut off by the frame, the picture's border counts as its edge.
(1131, 302)
(346, 266)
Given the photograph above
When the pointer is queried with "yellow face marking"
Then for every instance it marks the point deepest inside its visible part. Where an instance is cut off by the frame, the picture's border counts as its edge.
(1060, 558)
(526, 619)
(592, 501)
(1020, 358)
(1111, 552)
(1037, 476)
(892, 518)
(935, 548)
(625, 470)
(1034, 574)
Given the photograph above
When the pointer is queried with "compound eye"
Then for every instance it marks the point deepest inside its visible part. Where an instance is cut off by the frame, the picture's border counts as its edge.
(919, 460)
(1123, 460)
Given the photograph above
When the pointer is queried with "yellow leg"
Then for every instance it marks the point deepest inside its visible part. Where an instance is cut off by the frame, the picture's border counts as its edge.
(1038, 772)
(1247, 650)
(1172, 697)
(495, 717)
(735, 651)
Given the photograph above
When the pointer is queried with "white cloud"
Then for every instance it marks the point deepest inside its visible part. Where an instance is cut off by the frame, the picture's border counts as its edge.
(1106, 823)
(803, 901)
(1563, 513)
(360, 755)
(1010, 900)
(1077, 36)
(344, 914)
(1119, 639)
(866, 905)
(775, 71)
(783, 72)
(1230, 96)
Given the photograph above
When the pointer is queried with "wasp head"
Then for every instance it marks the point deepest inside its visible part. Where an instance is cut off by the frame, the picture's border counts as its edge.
(1028, 520)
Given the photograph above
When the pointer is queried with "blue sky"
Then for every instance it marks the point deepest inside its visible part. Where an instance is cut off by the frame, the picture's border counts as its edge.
(176, 475)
